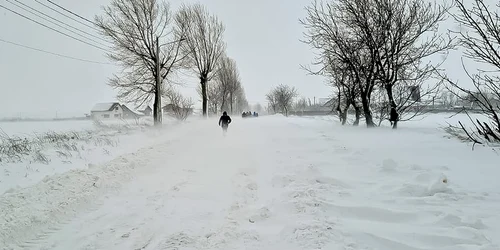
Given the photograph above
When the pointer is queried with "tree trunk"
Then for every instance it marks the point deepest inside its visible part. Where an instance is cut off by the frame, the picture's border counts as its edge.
(231, 103)
(367, 111)
(357, 109)
(343, 117)
(343, 113)
(393, 116)
(157, 117)
(223, 104)
(339, 109)
(157, 109)
(203, 82)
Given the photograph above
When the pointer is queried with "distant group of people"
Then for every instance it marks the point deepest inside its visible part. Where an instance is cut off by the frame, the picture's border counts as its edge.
(249, 114)
(225, 119)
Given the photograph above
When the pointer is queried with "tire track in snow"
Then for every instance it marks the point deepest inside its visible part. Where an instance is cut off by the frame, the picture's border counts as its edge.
(305, 197)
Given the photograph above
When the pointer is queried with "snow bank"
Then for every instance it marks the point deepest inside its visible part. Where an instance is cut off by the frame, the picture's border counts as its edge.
(88, 144)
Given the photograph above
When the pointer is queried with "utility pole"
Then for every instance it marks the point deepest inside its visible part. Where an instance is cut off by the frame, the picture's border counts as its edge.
(157, 107)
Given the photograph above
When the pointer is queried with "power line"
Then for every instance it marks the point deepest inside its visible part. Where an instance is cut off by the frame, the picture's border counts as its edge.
(52, 53)
(54, 22)
(48, 27)
(81, 17)
(78, 21)
(59, 21)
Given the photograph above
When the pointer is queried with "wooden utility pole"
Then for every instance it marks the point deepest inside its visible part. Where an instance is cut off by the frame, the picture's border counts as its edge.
(157, 107)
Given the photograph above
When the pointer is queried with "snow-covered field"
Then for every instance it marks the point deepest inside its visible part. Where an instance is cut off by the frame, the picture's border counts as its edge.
(271, 183)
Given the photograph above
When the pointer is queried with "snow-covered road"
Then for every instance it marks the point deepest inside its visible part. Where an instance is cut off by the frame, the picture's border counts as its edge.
(271, 183)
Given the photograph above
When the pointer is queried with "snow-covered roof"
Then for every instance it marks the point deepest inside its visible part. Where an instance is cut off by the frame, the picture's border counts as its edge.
(99, 107)
(144, 107)
(124, 107)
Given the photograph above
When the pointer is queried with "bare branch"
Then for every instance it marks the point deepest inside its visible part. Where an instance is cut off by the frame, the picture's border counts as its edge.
(481, 40)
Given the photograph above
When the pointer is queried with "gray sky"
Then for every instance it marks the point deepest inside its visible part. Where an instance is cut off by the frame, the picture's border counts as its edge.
(261, 35)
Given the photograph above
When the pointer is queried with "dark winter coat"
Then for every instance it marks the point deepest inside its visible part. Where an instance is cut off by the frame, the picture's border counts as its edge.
(224, 120)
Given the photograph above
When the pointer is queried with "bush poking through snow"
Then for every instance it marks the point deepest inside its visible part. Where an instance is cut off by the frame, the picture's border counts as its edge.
(34, 148)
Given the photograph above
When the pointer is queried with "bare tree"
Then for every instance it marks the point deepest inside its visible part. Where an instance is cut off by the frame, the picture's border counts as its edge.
(379, 42)
(380, 105)
(204, 43)
(404, 33)
(480, 38)
(282, 98)
(240, 102)
(146, 47)
(300, 105)
(330, 31)
(272, 102)
(413, 99)
(229, 79)
(182, 107)
(347, 92)
(214, 96)
(226, 92)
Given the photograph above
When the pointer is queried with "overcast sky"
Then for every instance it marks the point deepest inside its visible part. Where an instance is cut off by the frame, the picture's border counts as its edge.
(261, 35)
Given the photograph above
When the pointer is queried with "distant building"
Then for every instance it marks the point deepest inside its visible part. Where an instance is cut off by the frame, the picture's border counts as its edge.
(130, 114)
(147, 111)
(331, 103)
(109, 110)
(113, 110)
(476, 100)
(323, 101)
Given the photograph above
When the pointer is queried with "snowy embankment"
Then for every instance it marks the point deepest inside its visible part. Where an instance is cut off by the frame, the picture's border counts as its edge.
(272, 183)
(30, 151)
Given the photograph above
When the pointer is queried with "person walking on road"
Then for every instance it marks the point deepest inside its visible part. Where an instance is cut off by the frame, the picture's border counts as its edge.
(224, 121)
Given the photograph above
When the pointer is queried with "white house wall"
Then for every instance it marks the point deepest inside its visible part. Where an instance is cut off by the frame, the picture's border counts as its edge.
(116, 113)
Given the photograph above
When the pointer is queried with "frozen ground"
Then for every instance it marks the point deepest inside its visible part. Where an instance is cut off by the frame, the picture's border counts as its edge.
(271, 183)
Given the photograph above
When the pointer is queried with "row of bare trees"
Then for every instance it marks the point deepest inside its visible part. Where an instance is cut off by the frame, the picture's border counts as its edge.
(281, 99)
(152, 44)
(382, 58)
(369, 46)
(226, 93)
